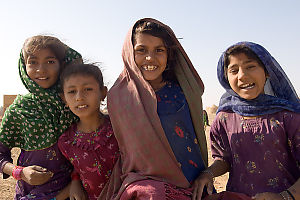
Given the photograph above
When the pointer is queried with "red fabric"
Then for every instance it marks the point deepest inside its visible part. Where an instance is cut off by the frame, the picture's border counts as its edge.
(75, 176)
(93, 155)
(151, 189)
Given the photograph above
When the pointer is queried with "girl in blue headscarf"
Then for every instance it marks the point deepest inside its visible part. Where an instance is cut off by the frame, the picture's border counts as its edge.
(256, 133)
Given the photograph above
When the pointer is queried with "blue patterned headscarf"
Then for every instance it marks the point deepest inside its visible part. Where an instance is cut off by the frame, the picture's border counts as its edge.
(279, 92)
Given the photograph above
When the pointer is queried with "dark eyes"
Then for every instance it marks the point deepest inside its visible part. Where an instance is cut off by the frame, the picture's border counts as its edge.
(160, 50)
(142, 50)
(74, 91)
(34, 62)
(71, 92)
(89, 89)
(233, 71)
(51, 61)
(31, 62)
(251, 66)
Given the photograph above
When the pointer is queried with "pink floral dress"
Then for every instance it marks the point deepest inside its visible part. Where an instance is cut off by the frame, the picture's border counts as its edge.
(93, 155)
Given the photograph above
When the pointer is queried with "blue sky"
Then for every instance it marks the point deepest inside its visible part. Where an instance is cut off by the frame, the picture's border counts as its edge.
(97, 30)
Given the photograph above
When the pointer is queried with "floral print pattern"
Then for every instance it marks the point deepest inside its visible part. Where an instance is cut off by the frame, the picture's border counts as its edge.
(174, 114)
(93, 155)
(263, 152)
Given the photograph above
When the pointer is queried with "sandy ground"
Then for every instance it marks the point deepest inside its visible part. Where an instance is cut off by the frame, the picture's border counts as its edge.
(7, 187)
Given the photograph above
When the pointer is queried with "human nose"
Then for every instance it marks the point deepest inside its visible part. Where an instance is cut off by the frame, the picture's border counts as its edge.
(149, 56)
(40, 68)
(79, 96)
(241, 74)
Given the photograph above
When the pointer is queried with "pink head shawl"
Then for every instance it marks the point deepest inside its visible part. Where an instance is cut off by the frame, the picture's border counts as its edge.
(132, 106)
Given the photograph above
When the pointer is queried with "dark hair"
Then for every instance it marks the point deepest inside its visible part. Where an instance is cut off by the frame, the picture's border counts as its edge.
(84, 70)
(157, 30)
(38, 42)
(234, 50)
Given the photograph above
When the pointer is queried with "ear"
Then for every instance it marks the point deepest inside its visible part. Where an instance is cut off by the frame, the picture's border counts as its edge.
(103, 93)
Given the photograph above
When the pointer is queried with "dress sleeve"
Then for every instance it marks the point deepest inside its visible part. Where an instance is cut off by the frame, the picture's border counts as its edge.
(5, 157)
(220, 148)
(292, 127)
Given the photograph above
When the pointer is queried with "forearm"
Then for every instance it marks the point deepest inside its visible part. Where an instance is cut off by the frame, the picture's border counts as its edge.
(295, 190)
(5, 157)
(218, 168)
(8, 168)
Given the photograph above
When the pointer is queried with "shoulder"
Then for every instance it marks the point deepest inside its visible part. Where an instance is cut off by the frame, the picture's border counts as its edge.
(225, 116)
(225, 119)
(65, 138)
(107, 126)
(285, 115)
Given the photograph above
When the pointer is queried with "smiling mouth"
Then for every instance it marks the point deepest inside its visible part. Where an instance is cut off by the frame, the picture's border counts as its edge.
(247, 86)
(81, 106)
(149, 67)
(42, 78)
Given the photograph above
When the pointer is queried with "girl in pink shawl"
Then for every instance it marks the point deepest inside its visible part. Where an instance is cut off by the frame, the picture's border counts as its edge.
(156, 113)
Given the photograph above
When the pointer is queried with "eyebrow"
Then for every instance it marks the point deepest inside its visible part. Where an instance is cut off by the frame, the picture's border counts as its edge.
(246, 62)
(155, 47)
(48, 57)
(85, 84)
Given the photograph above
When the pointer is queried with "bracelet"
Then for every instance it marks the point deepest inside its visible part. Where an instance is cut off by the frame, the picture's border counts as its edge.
(209, 172)
(16, 172)
(289, 192)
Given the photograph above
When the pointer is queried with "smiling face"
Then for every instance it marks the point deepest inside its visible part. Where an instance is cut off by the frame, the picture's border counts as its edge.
(43, 67)
(246, 76)
(151, 57)
(83, 95)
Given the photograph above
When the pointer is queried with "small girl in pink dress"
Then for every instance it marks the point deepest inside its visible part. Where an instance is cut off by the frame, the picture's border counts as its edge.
(89, 144)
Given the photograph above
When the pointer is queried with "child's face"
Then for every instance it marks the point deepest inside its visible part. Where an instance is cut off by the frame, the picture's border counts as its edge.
(151, 56)
(83, 95)
(43, 68)
(246, 76)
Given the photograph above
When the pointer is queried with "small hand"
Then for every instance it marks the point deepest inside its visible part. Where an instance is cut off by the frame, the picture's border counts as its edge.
(77, 192)
(267, 196)
(200, 182)
(36, 175)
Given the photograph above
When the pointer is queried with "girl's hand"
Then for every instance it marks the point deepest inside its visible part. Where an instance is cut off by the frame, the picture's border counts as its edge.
(267, 196)
(204, 179)
(77, 192)
(35, 175)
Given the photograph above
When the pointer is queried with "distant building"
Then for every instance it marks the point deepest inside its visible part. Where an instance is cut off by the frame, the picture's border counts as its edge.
(7, 100)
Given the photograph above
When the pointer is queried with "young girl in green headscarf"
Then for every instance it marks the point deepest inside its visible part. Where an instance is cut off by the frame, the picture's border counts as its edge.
(35, 121)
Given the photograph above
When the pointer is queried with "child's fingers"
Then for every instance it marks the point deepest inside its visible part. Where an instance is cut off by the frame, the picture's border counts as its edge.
(42, 171)
(198, 189)
(210, 188)
(39, 168)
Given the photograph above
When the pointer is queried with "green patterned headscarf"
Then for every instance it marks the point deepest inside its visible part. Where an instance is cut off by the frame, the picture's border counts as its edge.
(36, 120)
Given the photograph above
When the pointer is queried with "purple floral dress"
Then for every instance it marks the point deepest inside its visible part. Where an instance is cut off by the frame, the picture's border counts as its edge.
(263, 152)
(50, 158)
